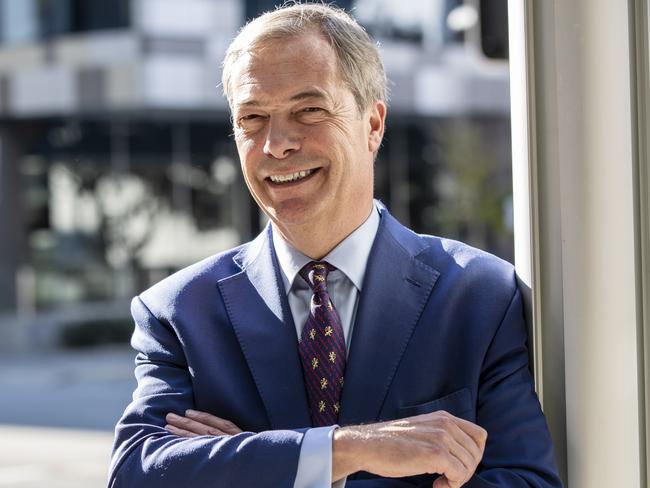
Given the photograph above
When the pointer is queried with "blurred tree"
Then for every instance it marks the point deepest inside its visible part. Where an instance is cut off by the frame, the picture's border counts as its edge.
(473, 186)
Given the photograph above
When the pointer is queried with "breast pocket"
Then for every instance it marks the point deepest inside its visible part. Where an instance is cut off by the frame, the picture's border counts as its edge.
(458, 403)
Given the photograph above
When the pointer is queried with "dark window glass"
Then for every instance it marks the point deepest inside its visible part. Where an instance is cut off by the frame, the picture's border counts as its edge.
(89, 15)
(494, 28)
(54, 17)
(256, 7)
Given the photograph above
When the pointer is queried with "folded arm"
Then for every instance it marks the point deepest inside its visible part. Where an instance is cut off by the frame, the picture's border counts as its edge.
(433, 443)
(146, 455)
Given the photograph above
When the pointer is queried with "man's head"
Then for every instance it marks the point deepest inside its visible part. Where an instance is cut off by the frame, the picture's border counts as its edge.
(359, 64)
(306, 125)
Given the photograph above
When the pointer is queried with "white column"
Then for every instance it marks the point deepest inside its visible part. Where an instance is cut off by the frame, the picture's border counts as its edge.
(584, 245)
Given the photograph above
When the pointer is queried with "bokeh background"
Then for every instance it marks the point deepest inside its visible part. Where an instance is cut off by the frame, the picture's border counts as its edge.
(117, 167)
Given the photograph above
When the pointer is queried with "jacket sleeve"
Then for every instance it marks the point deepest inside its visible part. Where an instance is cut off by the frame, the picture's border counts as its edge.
(146, 455)
(519, 451)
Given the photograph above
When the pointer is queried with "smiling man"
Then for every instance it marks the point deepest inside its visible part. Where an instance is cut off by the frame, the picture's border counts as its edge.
(338, 347)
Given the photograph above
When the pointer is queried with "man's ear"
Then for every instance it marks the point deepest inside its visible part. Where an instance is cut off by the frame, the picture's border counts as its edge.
(376, 116)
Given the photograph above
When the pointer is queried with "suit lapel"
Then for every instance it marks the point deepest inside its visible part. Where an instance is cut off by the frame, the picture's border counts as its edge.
(395, 290)
(259, 312)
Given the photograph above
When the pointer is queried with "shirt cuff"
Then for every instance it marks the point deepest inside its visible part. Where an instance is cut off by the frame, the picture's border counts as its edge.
(315, 461)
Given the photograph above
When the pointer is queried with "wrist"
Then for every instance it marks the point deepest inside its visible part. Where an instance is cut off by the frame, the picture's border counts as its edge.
(346, 453)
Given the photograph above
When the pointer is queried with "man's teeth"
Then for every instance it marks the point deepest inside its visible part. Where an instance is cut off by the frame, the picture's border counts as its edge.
(291, 177)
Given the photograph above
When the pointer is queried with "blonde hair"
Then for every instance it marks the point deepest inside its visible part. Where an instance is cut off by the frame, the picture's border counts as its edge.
(360, 66)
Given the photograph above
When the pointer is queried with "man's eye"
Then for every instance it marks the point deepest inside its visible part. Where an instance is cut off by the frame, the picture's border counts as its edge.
(250, 121)
(249, 117)
(312, 109)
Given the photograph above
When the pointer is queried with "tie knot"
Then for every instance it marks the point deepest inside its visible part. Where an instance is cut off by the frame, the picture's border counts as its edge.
(315, 274)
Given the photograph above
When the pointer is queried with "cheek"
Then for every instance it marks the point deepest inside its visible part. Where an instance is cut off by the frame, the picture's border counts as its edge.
(246, 153)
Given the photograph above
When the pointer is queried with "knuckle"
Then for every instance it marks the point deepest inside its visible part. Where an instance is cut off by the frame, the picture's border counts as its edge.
(483, 435)
(445, 421)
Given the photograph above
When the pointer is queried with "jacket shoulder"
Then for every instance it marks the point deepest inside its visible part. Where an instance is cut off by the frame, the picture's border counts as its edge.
(191, 283)
(469, 264)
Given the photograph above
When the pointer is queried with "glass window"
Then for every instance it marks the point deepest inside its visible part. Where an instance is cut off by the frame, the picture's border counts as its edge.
(31, 20)
(90, 15)
(18, 20)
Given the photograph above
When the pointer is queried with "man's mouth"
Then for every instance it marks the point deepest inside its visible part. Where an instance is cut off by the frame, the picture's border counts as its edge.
(291, 177)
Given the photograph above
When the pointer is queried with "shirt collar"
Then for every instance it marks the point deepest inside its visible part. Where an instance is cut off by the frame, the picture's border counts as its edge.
(350, 256)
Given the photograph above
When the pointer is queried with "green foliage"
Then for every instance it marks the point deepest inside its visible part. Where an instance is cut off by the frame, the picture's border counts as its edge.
(474, 186)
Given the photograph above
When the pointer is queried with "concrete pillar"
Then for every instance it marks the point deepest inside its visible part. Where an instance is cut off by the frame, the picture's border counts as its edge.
(12, 222)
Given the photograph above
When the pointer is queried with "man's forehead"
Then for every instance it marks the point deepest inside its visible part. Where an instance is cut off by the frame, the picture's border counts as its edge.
(258, 76)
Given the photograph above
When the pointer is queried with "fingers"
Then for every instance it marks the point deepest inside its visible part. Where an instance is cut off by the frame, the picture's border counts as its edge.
(188, 425)
(466, 448)
(453, 471)
(457, 446)
(461, 451)
(220, 424)
(476, 432)
(199, 423)
(443, 482)
(180, 432)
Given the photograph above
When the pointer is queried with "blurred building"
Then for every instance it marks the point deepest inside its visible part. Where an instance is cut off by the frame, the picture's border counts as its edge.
(116, 161)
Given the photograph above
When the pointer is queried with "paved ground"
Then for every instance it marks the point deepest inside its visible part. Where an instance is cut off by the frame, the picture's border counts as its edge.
(41, 457)
(57, 412)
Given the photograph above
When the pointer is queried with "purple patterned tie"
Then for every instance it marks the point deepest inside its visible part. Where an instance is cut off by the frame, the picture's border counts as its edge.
(322, 348)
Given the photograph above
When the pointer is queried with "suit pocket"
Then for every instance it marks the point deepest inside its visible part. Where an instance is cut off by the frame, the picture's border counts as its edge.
(456, 403)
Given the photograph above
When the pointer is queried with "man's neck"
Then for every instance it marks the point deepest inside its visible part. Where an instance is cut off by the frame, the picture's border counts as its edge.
(316, 242)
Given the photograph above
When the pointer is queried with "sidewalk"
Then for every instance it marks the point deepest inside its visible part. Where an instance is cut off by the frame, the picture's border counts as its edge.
(57, 413)
(37, 457)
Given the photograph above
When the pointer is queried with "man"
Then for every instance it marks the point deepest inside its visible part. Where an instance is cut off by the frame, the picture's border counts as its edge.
(338, 346)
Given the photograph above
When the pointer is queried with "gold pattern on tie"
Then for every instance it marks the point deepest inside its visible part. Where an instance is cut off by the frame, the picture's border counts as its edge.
(322, 348)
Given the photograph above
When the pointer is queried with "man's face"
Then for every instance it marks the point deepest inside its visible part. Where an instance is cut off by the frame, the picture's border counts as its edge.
(306, 151)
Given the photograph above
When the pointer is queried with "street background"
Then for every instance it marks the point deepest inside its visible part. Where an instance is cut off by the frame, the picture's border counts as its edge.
(118, 167)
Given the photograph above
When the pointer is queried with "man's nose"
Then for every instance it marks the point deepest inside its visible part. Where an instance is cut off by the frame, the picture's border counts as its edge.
(281, 139)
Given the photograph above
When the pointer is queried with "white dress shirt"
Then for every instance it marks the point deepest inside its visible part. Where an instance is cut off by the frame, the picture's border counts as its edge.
(344, 285)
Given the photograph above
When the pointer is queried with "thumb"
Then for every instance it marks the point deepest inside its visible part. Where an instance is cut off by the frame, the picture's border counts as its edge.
(442, 482)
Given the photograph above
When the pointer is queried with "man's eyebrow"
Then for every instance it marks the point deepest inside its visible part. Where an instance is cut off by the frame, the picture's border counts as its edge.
(310, 93)
(248, 103)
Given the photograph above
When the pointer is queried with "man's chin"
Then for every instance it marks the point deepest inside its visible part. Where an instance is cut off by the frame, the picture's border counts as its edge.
(292, 214)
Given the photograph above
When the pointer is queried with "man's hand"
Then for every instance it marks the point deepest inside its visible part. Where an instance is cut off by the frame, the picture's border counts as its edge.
(196, 423)
(435, 442)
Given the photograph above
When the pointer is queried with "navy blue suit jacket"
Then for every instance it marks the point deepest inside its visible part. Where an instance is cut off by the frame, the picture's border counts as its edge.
(439, 327)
